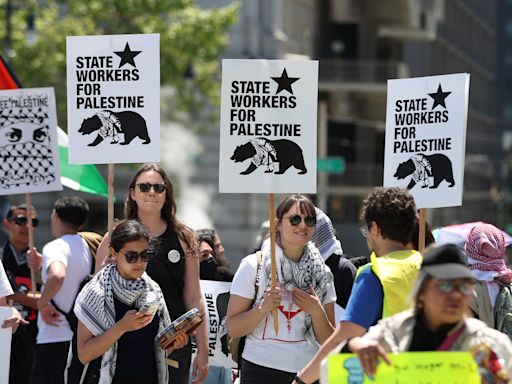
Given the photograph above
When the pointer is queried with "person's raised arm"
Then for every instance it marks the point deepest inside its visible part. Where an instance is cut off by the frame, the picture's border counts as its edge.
(102, 254)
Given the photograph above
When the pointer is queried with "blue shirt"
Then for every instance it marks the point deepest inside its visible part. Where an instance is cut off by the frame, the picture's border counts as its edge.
(364, 306)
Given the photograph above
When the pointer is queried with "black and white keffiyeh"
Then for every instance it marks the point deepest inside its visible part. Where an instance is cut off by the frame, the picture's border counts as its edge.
(310, 270)
(94, 307)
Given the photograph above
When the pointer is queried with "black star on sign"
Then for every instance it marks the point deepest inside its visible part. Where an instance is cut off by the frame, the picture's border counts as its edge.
(439, 97)
(127, 56)
(284, 82)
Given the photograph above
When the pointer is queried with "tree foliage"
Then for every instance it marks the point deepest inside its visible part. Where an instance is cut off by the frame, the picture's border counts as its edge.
(191, 41)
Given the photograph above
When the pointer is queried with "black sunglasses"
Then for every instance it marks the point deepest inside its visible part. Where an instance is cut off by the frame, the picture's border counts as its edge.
(146, 187)
(295, 220)
(132, 256)
(23, 220)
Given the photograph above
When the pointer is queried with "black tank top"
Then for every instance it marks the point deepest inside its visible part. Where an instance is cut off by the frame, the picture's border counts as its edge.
(168, 274)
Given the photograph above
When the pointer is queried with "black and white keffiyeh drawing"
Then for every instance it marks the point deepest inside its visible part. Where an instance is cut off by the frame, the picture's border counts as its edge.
(26, 155)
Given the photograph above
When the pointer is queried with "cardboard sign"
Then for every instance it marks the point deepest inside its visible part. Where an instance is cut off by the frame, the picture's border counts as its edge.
(216, 297)
(268, 126)
(29, 154)
(406, 367)
(426, 138)
(5, 345)
(113, 98)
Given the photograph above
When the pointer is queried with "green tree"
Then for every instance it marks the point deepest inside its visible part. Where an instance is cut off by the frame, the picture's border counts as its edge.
(191, 41)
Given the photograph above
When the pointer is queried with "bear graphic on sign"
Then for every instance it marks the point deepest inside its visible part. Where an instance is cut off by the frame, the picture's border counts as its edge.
(427, 170)
(110, 124)
(276, 156)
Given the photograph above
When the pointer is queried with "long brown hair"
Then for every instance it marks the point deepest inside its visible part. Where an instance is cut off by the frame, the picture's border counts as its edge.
(168, 211)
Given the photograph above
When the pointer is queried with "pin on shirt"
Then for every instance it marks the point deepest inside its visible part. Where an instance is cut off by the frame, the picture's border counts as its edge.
(173, 256)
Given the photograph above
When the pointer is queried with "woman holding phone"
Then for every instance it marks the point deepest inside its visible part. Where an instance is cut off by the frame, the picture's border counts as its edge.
(121, 310)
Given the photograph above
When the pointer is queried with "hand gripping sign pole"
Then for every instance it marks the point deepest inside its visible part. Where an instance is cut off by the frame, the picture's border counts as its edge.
(272, 218)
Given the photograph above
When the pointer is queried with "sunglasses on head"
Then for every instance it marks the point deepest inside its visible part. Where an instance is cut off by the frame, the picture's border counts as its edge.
(295, 220)
(447, 286)
(146, 187)
(23, 220)
(132, 256)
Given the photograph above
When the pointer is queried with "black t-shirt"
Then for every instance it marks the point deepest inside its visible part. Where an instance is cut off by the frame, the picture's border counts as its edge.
(136, 349)
(170, 275)
(343, 271)
(19, 278)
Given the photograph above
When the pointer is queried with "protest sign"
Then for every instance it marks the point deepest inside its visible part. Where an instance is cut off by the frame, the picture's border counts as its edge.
(113, 98)
(5, 345)
(406, 367)
(426, 138)
(29, 154)
(268, 126)
(216, 297)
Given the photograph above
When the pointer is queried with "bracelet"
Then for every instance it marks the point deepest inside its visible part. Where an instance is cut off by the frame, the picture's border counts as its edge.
(298, 379)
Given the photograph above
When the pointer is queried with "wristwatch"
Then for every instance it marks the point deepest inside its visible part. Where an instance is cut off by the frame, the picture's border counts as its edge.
(298, 380)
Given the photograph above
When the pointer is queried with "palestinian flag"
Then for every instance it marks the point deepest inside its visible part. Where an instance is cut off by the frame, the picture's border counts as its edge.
(84, 178)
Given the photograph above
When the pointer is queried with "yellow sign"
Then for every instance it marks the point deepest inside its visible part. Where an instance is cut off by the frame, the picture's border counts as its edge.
(406, 367)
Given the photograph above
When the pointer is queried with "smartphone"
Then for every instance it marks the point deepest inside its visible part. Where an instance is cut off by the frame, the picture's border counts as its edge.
(149, 308)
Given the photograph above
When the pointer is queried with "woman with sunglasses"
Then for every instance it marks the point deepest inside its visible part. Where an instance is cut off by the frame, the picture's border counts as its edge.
(438, 321)
(304, 298)
(113, 317)
(175, 266)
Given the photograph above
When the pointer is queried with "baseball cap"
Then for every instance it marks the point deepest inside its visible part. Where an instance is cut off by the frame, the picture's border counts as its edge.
(446, 262)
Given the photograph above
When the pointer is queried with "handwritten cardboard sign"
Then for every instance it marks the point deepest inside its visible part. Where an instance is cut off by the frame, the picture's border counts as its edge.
(406, 367)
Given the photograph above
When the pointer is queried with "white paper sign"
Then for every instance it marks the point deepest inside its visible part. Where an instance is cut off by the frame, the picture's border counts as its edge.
(268, 126)
(113, 98)
(29, 152)
(426, 138)
(216, 297)
(5, 345)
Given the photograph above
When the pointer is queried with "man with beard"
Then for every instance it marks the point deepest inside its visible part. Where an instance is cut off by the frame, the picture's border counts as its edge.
(17, 260)
(381, 287)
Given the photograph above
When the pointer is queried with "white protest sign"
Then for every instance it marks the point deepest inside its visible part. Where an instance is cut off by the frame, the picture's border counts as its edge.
(5, 345)
(113, 98)
(268, 126)
(216, 297)
(29, 152)
(426, 138)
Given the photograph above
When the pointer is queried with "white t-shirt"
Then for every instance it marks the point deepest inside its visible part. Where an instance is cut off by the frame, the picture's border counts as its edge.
(5, 286)
(73, 252)
(288, 351)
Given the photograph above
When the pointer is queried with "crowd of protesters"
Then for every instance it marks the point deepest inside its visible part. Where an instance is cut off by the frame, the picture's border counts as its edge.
(100, 306)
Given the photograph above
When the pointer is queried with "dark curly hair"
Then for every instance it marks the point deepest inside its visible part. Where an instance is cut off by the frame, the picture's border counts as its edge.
(393, 210)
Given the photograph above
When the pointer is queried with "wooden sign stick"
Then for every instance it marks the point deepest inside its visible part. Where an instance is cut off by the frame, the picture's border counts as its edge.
(28, 203)
(272, 217)
(110, 208)
(422, 225)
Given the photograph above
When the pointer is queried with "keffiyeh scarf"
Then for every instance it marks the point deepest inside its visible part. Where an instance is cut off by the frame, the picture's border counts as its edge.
(309, 271)
(94, 307)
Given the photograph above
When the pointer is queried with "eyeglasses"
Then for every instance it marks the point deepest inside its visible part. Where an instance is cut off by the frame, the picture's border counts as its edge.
(146, 187)
(23, 220)
(447, 286)
(295, 220)
(364, 231)
(132, 256)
